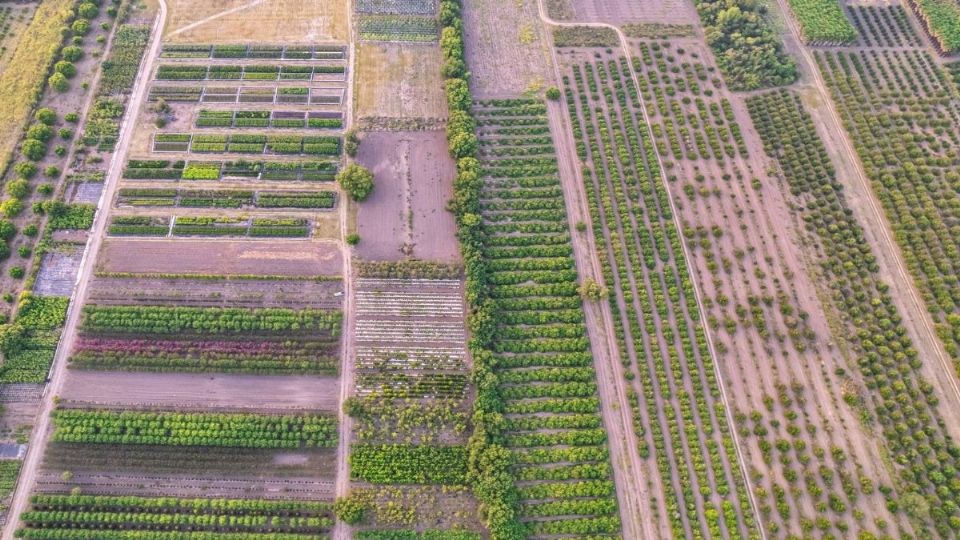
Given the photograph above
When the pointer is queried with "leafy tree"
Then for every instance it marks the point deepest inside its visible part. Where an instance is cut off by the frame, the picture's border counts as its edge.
(80, 27)
(351, 143)
(356, 180)
(7, 229)
(353, 239)
(11, 208)
(66, 67)
(33, 149)
(72, 53)
(88, 10)
(18, 189)
(40, 132)
(553, 93)
(591, 290)
(458, 94)
(58, 82)
(25, 169)
(46, 115)
(349, 510)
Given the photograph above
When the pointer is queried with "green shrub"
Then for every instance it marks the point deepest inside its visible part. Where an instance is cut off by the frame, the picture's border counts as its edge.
(25, 169)
(80, 27)
(353, 239)
(356, 180)
(349, 510)
(52, 171)
(66, 67)
(18, 189)
(33, 149)
(46, 115)
(16, 272)
(40, 132)
(72, 53)
(58, 82)
(88, 10)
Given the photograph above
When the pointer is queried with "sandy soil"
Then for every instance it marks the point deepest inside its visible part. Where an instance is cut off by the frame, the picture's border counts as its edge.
(265, 21)
(506, 48)
(399, 81)
(635, 11)
(184, 391)
(406, 215)
(190, 256)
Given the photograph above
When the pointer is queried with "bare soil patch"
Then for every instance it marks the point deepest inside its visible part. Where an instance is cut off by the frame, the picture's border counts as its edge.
(265, 257)
(189, 391)
(506, 48)
(219, 293)
(633, 11)
(267, 21)
(406, 215)
(119, 484)
(399, 81)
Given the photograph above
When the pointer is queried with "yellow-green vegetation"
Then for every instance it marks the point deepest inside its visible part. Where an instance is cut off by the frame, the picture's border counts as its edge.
(22, 81)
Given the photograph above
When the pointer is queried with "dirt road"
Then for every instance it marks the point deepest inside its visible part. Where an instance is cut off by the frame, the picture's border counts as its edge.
(605, 391)
(42, 429)
(341, 530)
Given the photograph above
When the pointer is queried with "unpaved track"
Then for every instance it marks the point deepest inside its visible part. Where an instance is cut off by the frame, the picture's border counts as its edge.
(878, 231)
(625, 46)
(341, 530)
(42, 429)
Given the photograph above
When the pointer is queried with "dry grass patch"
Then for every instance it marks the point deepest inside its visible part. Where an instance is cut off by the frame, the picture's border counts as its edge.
(399, 81)
(22, 78)
(267, 21)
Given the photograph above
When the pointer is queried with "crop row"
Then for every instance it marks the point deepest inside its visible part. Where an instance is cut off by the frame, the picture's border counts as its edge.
(408, 464)
(274, 119)
(644, 265)
(223, 72)
(314, 353)
(209, 226)
(285, 52)
(106, 517)
(176, 320)
(397, 28)
(902, 116)
(193, 429)
(901, 400)
(822, 21)
(215, 170)
(301, 95)
(883, 26)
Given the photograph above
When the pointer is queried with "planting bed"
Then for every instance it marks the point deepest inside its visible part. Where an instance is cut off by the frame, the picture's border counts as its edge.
(633, 11)
(138, 169)
(286, 95)
(247, 72)
(247, 144)
(256, 51)
(196, 392)
(264, 119)
(225, 198)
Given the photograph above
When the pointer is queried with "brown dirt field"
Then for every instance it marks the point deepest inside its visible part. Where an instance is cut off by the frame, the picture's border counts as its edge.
(233, 293)
(635, 11)
(414, 180)
(399, 81)
(119, 484)
(506, 48)
(190, 256)
(265, 21)
(191, 391)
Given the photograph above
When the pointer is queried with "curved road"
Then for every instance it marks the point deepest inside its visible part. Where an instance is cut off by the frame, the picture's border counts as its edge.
(624, 44)
(42, 430)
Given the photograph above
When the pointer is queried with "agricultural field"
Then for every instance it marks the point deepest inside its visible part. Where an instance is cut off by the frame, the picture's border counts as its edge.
(448, 270)
(399, 87)
(267, 21)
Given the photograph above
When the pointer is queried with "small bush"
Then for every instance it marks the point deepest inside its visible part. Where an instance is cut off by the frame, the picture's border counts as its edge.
(46, 115)
(17, 272)
(58, 82)
(353, 239)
